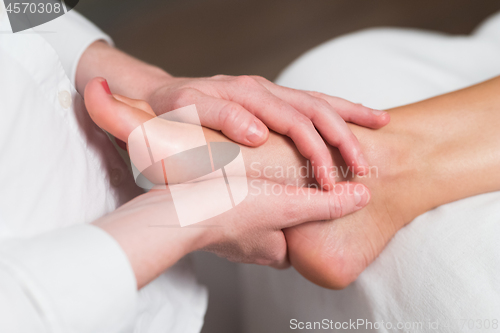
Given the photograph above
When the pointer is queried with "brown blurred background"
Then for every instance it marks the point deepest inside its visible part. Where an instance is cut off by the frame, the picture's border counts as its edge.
(201, 38)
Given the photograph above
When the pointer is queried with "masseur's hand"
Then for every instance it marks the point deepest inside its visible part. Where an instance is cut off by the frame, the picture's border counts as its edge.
(241, 107)
(148, 230)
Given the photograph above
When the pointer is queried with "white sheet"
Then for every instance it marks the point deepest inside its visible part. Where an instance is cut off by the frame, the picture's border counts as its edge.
(442, 269)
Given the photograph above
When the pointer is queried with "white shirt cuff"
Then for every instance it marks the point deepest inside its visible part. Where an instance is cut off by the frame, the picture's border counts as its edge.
(78, 278)
(70, 35)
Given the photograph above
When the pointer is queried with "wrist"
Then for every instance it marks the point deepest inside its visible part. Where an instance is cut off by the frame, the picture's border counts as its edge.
(154, 78)
(150, 235)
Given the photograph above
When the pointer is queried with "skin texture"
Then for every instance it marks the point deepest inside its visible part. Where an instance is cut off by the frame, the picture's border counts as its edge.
(147, 227)
(242, 107)
(433, 152)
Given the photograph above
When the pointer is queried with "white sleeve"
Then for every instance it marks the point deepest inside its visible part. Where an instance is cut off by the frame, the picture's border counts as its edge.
(70, 35)
(70, 280)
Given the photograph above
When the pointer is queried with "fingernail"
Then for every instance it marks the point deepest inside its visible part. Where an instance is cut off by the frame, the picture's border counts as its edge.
(361, 199)
(255, 133)
(378, 112)
(106, 87)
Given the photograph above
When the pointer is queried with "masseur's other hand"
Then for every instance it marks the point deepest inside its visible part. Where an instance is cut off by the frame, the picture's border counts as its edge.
(242, 106)
(148, 230)
(252, 231)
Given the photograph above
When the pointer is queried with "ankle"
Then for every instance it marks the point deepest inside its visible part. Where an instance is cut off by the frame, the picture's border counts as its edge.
(400, 169)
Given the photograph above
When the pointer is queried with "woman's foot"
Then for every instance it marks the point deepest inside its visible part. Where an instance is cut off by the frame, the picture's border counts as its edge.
(332, 254)
(420, 166)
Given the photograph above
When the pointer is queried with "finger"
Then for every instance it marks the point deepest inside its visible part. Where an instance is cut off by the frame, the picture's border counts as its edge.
(351, 112)
(111, 114)
(328, 122)
(299, 205)
(228, 117)
(355, 113)
(285, 119)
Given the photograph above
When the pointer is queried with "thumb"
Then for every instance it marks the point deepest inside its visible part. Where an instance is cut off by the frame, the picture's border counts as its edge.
(116, 116)
(309, 204)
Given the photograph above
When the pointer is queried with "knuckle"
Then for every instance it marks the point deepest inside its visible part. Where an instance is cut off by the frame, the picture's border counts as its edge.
(315, 94)
(246, 81)
(302, 121)
(228, 116)
(321, 104)
(258, 78)
(317, 107)
(183, 97)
